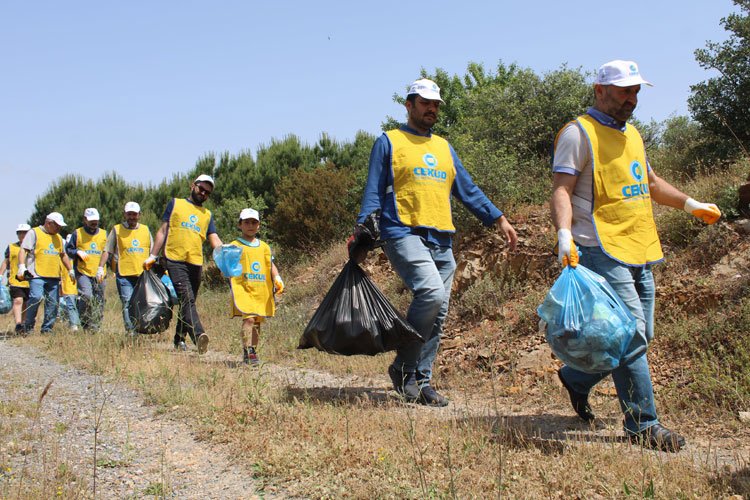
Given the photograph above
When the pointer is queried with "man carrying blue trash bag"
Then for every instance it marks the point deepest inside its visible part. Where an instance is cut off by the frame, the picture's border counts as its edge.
(601, 201)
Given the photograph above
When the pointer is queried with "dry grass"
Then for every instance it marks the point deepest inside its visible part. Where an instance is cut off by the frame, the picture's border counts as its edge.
(355, 440)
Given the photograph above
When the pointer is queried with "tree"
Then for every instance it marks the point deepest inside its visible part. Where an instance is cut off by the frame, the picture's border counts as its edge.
(721, 103)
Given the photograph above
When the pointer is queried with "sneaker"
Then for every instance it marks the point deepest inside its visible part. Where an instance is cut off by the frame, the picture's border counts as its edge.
(430, 397)
(579, 401)
(74, 328)
(658, 437)
(404, 383)
(250, 357)
(202, 343)
(20, 330)
(180, 346)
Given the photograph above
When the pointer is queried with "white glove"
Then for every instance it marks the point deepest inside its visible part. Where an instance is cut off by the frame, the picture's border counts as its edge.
(3, 280)
(100, 274)
(707, 212)
(21, 271)
(82, 255)
(566, 248)
(279, 284)
(149, 262)
(72, 274)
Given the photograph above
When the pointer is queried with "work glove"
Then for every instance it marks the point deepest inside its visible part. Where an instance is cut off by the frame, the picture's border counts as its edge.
(278, 284)
(707, 212)
(567, 253)
(82, 255)
(72, 274)
(3, 280)
(20, 275)
(100, 274)
(150, 260)
(359, 244)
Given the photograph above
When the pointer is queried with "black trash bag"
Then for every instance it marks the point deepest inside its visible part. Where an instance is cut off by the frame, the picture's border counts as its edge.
(366, 237)
(150, 307)
(356, 318)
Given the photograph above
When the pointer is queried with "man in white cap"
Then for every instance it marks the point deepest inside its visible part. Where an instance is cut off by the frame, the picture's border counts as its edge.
(186, 224)
(85, 248)
(601, 201)
(39, 262)
(19, 290)
(130, 243)
(412, 175)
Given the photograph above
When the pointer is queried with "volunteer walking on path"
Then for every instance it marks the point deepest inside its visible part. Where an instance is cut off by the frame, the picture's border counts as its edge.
(601, 201)
(19, 290)
(40, 254)
(253, 290)
(186, 225)
(412, 175)
(130, 243)
(85, 247)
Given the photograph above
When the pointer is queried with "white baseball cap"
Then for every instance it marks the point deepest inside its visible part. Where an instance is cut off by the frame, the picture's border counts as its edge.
(620, 74)
(204, 178)
(57, 218)
(91, 214)
(23, 227)
(132, 206)
(249, 213)
(425, 88)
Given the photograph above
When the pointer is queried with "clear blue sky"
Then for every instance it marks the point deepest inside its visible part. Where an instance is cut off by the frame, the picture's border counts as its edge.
(146, 88)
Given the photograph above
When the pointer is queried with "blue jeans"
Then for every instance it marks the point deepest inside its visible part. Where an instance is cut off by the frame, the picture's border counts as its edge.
(70, 310)
(636, 288)
(125, 286)
(427, 270)
(90, 301)
(42, 289)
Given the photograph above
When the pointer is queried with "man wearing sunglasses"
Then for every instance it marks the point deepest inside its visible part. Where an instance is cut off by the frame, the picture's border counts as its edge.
(186, 224)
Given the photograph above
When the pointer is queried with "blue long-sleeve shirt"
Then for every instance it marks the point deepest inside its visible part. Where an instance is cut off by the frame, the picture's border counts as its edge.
(378, 196)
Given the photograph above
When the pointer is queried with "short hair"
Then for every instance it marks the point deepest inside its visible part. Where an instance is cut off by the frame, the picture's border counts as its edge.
(412, 98)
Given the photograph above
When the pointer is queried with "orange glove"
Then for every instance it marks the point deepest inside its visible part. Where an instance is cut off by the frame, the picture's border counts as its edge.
(150, 260)
(707, 212)
(567, 253)
(278, 284)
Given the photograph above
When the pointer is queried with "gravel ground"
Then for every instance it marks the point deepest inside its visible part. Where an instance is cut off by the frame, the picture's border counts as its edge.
(139, 453)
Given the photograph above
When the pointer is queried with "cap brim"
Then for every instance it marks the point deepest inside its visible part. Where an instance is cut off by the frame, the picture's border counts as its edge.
(431, 96)
(629, 82)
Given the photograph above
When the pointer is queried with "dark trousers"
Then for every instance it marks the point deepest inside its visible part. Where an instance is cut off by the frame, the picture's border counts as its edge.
(186, 279)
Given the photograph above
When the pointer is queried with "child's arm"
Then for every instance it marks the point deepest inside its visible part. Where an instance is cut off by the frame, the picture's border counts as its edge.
(277, 281)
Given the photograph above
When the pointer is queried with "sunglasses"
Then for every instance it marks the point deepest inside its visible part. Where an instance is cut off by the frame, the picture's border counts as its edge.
(203, 190)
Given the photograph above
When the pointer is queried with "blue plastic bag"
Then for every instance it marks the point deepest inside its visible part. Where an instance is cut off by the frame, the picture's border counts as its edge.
(227, 258)
(5, 301)
(170, 288)
(588, 326)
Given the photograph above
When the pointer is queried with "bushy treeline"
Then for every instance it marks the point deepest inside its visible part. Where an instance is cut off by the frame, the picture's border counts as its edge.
(502, 123)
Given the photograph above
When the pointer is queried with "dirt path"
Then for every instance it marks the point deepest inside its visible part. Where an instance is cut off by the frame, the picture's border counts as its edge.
(139, 453)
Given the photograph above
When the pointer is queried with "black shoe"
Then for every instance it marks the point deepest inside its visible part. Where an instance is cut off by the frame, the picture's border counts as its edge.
(250, 357)
(404, 383)
(659, 437)
(20, 329)
(430, 397)
(180, 346)
(579, 401)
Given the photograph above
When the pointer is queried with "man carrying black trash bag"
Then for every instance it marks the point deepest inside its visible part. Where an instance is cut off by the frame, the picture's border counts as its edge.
(412, 175)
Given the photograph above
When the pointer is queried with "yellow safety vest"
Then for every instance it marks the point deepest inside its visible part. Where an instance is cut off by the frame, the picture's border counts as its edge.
(92, 244)
(252, 292)
(47, 253)
(423, 175)
(133, 246)
(188, 226)
(68, 284)
(13, 249)
(622, 211)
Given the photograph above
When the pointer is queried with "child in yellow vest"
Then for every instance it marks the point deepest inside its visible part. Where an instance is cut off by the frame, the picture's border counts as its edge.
(253, 291)
(69, 299)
